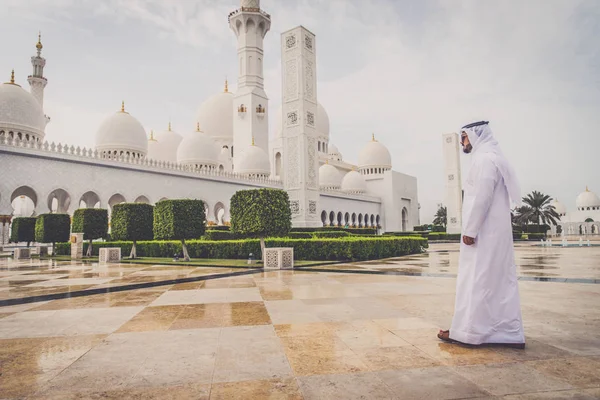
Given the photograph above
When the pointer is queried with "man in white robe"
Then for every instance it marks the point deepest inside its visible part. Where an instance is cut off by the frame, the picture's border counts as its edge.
(487, 308)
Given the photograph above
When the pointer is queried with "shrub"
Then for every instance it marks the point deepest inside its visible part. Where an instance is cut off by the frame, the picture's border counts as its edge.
(420, 228)
(132, 221)
(438, 228)
(23, 230)
(92, 222)
(408, 234)
(342, 249)
(52, 228)
(179, 220)
(299, 235)
(261, 213)
(219, 228)
(330, 234)
(536, 228)
(212, 234)
(536, 236)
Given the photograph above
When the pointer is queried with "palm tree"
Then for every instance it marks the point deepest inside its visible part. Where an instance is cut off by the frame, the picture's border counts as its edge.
(441, 216)
(537, 209)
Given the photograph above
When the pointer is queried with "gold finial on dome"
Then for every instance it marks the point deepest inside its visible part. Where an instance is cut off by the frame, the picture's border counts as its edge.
(169, 126)
(198, 127)
(586, 188)
(327, 161)
(226, 90)
(12, 77)
(122, 106)
(252, 140)
(39, 43)
(152, 136)
(373, 137)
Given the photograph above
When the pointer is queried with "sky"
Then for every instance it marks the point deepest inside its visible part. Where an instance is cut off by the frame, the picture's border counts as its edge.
(408, 71)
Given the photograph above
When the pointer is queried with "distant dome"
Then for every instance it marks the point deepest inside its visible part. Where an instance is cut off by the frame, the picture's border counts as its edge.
(215, 116)
(120, 134)
(254, 161)
(559, 207)
(198, 150)
(374, 155)
(587, 200)
(334, 153)
(353, 182)
(329, 177)
(322, 121)
(20, 112)
(164, 148)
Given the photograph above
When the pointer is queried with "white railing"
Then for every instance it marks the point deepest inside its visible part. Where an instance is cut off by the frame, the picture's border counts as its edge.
(95, 155)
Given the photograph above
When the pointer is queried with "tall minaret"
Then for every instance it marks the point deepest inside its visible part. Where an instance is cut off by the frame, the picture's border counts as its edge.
(37, 80)
(250, 102)
(452, 176)
(299, 113)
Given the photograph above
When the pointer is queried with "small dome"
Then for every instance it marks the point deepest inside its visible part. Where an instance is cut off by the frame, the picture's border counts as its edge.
(20, 111)
(164, 147)
(215, 116)
(334, 153)
(329, 177)
(254, 161)
(587, 200)
(374, 154)
(122, 133)
(559, 207)
(198, 149)
(353, 182)
(322, 121)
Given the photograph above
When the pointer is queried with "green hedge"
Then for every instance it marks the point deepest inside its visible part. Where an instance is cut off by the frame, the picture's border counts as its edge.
(405, 234)
(444, 236)
(261, 213)
(438, 228)
(331, 234)
(299, 235)
(421, 228)
(535, 236)
(179, 219)
(346, 249)
(132, 221)
(52, 228)
(211, 234)
(22, 230)
(92, 222)
(218, 228)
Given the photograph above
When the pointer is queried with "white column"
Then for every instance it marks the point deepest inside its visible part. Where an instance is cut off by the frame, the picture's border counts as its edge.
(299, 113)
(452, 177)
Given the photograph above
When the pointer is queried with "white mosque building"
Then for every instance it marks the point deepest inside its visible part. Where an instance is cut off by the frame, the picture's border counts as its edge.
(585, 220)
(229, 149)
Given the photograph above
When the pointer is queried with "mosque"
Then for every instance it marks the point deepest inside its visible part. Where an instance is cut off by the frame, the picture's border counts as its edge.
(585, 220)
(227, 149)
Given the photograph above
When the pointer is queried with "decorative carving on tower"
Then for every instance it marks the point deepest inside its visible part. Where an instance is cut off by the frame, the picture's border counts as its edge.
(453, 197)
(299, 111)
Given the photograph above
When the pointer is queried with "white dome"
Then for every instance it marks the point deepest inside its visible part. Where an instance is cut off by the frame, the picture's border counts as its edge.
(198, 149)
(329, 177)
(374, 154)
(559, 207)
(20, 111)
(215, 116)
(121, 132)
(334, 153)
(353, 182)
(165, 146)
(254, 161)
(587, 199)
(322, 121)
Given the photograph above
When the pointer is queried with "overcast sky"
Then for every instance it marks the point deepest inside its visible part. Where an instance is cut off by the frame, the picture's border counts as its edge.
(408, 71)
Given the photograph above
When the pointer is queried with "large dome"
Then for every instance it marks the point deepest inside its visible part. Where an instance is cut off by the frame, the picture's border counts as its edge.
(165, 148)
(353, 182)
(120, 134)
(587, 200)
(215, 116)
(254, 161)
(374, 155)
(20, 111)
(322, 122)
(329, 177)
(199, 150)
(559, 207)
(334, 153)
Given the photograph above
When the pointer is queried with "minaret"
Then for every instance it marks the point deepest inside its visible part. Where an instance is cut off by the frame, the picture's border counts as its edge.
(37, 80)
(250, 102)
(452, 177)
(299, 112)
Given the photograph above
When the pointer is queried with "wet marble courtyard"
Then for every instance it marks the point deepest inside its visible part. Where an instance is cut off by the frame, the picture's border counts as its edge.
(346, 331)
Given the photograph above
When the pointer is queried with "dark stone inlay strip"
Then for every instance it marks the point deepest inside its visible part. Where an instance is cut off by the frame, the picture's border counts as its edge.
(435, 275)
(123, 288)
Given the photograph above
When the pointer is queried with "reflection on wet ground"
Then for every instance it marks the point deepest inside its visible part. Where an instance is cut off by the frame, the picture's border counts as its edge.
(367, 333)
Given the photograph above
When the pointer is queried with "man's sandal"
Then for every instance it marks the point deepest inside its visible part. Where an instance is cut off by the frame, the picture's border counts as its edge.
(445, 336)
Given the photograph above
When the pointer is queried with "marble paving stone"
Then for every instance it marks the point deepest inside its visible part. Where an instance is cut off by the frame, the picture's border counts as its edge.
(453, 354)
(582, 372)
(396, 324)
(306, 362)
(316, 329)
(382, 358)
(366, 334)
(158, 318)
(275, 389)
(585, 394)
(502, 379)
(429, 383)
(71, 282)
(182, 392)
(204, 296)
(345, 386)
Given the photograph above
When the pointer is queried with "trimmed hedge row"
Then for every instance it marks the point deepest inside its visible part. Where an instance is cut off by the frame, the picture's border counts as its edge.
(409, 234)
(347, 249)
(23, 230)
(444, 236)
(331, 234)
(52, 228)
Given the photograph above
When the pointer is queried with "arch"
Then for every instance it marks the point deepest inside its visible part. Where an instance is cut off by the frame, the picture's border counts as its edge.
(250, 24)
(219, 212)
(347, 219)
(582, 229)
(238, 25)
(366, 220)
(360, 220)
(378, 220)
(59, 201)
(404, 219)
(331, 218)
(324, 217)
(589, 220)
(372, 220)
(221, 168)
(278, 164)
(115, 199)
(89, 200)
(24, 201)
(339, 219)
(353, 219)
(261, 28)
(142, 199)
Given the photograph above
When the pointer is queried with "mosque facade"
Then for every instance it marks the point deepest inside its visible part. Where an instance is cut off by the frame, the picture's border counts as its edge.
(584, 220)
(229, 150)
